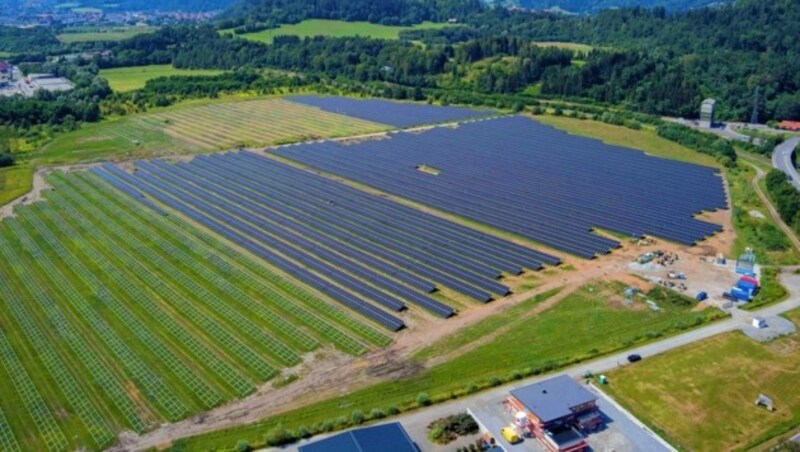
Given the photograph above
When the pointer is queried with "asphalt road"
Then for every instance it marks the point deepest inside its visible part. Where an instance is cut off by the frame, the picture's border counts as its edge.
(738, 320)
(782, 160)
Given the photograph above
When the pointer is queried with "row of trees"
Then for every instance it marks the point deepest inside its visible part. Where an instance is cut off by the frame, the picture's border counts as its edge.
(786, 198)
(251, 14)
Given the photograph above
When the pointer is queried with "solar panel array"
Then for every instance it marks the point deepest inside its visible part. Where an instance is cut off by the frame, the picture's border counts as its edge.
(364, 251)
(398, 114)
(523, 177)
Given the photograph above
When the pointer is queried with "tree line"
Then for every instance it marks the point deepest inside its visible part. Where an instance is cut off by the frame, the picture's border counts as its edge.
(786, 198)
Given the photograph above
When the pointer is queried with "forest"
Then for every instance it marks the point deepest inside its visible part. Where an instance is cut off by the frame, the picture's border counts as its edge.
(786, 198)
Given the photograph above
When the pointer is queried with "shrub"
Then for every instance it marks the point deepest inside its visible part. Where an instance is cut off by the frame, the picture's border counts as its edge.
(377, 413)
(279, 436)
(423, 399)
(357, 417)
(393, 410)
(303, 432)
(326, 426)
(435, 434)
(494, 381)
(243, 446)
(341, 421)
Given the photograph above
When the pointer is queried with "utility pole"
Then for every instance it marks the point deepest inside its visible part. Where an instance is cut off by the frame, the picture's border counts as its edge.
(754, 116)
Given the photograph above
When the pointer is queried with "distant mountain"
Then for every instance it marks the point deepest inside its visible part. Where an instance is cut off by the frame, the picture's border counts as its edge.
(593, 6)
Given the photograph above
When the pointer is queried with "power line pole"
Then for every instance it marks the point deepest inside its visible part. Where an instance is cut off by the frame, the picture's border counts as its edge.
(754, 116)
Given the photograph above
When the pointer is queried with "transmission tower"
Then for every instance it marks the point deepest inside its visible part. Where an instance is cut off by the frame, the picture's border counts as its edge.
(754, 116)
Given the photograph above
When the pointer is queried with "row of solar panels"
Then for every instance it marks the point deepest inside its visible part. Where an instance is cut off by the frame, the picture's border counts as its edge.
(522, 177)
(353, 242)
(119, 177)
(398, 114)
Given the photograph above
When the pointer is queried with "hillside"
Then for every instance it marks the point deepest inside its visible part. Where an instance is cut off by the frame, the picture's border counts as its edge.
(593, 6)
(387, 12)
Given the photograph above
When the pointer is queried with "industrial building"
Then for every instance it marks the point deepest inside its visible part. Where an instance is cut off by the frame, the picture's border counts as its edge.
(707, 113)
(49, 82)
(557, 412)
(380, 438)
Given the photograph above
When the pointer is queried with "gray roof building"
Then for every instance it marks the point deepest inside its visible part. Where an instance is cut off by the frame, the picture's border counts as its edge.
(554, 399)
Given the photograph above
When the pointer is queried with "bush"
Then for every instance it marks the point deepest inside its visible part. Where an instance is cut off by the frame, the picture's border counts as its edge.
(341, 421)
(279, 436)
(393, 410)
(243, 446)
(357, 417)
(447, 429)
(6, 159)
(303, 432)
(326, 426)
(377, 413)
(423, 399)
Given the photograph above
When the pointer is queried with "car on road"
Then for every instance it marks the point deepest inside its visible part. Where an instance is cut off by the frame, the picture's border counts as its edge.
(633, 358)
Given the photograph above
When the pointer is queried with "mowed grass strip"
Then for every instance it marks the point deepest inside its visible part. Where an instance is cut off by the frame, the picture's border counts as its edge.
(702, 396)
(335, 29)
(192, 129)
(132, 78)
(585, 324)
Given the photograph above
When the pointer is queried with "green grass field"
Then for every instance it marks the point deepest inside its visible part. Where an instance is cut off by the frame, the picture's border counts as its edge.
(574, 46)
(770, 243)
(203, 128)
(587, 323)
(701, 396)
(115, 318)
(15, 182)
(133, 78)
(335, 28)
(99, 34)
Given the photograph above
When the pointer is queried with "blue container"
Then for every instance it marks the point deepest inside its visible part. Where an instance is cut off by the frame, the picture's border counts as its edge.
(701, 296)
(746, 285)
(740, 294)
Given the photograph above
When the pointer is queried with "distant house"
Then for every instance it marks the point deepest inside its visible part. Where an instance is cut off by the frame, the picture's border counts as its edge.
(557, 411)
(380, 438)
(793, 126)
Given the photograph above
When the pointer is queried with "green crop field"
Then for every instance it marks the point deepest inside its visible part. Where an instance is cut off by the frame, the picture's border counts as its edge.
(99, 34)
(587, 323)
(203, 128)
(133, 78)
(336, 28)
(15, 182)
(702, 395)
(114, 318)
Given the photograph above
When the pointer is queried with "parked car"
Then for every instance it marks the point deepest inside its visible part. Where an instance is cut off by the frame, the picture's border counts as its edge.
(633, 358)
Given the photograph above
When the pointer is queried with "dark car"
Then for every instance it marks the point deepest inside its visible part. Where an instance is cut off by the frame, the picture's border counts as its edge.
(634, 358)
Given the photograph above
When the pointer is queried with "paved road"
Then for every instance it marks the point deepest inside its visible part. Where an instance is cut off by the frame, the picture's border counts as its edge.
(782, 160)
(737, 321)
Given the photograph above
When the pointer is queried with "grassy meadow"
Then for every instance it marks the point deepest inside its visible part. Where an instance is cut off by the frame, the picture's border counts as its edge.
(199, 128)
(133, 78)
(15, 182)
(336, 28)
(101, 34)
(587, 323)
(574, 46)
(701, 396)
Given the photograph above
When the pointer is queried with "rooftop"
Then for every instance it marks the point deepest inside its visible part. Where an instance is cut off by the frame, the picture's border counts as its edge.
(380, 438)
(554, 398)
